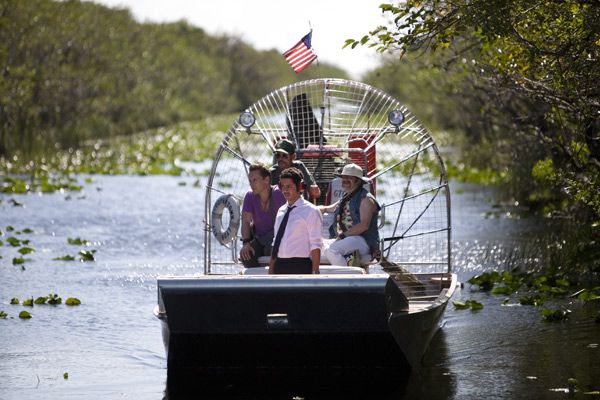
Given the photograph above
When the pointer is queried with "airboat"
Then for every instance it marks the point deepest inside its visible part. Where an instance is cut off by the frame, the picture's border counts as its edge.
(351, 325)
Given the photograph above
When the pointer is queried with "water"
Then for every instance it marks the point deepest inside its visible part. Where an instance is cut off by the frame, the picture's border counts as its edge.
(111, 345)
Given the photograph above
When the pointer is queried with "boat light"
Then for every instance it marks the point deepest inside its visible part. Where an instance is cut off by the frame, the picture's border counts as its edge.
(247, 119)
(396, 118)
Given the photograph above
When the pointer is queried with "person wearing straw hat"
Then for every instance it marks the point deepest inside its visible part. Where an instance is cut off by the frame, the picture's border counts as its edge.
(355, 224)
(285, 157)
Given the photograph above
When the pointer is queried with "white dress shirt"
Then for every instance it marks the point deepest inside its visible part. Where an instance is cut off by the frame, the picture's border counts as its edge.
(303, 231)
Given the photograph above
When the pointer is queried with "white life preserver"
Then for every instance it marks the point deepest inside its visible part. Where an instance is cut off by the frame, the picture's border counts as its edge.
(224, 236)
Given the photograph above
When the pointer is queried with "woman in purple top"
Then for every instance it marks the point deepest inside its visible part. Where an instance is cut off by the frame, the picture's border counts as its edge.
(258, 215)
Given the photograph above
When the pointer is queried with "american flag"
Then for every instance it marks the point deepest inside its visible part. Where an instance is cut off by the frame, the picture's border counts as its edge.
(301, 55)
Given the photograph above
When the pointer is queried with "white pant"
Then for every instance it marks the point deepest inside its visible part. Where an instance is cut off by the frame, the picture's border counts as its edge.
(337, 250)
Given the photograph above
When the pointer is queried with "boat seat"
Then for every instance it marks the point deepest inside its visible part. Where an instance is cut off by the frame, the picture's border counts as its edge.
(323, 269)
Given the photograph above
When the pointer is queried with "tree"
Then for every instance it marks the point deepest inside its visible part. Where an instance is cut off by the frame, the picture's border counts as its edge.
(534, 63)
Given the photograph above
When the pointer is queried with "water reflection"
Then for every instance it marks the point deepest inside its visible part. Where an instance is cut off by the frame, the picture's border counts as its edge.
(111, 345)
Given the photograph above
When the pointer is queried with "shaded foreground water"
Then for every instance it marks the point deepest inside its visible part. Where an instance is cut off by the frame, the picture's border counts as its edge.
(110, 346)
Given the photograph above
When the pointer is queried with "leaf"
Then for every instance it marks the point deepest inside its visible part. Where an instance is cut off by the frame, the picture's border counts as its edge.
(26, 250)
(18, 260)
(24, 315)
(53, 299)
(555, 315)
(64, 258)
(66, 375)
(14, 300)
(27, 230)
(501, 290)
(475, 305)
(13, 241)
(87, 255)
(41, 300)
(28, 302)
(535, 300)
(587, 295)
(3, 315)
(10, 228)
(78, 242)
(459, 305)
(72, 301)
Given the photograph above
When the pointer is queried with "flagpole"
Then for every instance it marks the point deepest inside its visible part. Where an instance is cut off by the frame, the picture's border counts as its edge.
(319, 72)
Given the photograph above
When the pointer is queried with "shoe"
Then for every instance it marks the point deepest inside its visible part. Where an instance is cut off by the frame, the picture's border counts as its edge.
(354, 260)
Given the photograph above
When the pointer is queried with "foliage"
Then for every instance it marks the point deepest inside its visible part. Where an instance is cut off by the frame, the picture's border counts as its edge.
(72, 301)
(469, 304)
(524, 75)
(24, 315)
(554, 315)
(74, 71)
(78, 241)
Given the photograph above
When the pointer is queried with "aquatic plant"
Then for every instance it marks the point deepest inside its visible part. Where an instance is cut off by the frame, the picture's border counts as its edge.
(87, 255)
(3, 315)
(469, 304)
(24, 315)
(78, 241)
(72, 301)
(555, 315)
(64, 258)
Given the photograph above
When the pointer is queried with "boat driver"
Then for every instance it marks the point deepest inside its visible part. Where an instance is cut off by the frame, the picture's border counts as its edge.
(285, 157)
(355, 224)
(258, 215)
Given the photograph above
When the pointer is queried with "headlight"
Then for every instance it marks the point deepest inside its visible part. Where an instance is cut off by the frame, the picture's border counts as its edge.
(247, 119)
(396, 118)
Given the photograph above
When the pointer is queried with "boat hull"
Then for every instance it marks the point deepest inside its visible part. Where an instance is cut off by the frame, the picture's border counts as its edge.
(303, 334)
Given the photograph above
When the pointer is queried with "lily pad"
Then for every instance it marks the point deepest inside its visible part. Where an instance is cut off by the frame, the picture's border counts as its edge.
(469, 304)
(14, 300)
(64, 258)
(53, 299)
(72, 301)
(18, 261)
(41, 300)
(3, 315)
(87, 255)
(26, 250)
(28, 302)
(555, 315)
(24, 315)
(13, 241)
(78, 242)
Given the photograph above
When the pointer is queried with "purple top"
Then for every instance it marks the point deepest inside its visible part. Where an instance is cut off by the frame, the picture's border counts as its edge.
(263, 221)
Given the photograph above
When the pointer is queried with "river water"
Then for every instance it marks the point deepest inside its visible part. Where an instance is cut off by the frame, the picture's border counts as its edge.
(111, 347)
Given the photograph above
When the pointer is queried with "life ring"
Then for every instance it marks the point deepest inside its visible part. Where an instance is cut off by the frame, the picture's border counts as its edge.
(224, 236)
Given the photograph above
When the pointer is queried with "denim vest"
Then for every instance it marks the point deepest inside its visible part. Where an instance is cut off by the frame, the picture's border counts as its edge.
(371, 235)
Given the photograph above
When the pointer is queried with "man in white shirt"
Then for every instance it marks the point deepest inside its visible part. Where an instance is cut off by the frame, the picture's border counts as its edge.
(298, 241)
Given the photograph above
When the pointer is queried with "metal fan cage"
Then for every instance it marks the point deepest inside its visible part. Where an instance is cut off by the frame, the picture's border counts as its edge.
(334, 122)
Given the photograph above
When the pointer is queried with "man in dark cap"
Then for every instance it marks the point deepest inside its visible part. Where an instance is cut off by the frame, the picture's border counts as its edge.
(285, 157)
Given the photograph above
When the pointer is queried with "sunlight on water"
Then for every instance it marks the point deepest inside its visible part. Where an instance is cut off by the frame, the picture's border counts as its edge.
(143, 227)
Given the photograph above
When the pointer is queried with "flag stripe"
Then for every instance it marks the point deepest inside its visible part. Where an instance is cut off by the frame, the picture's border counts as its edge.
(301, 55)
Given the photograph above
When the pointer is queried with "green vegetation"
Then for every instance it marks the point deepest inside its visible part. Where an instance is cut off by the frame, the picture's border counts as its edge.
(517, 78)
(72, 301)
(532, 289)
(466, 305)
(51, 299)
(76, 71)
(24, 315)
